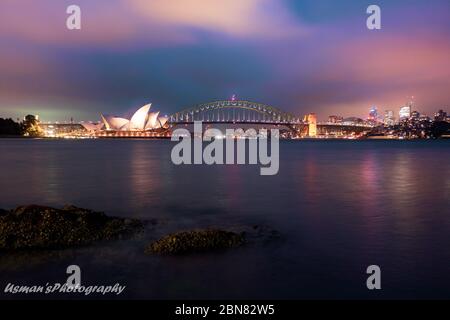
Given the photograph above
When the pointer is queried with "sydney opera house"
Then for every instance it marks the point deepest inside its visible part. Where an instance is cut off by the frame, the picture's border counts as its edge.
(142, 121)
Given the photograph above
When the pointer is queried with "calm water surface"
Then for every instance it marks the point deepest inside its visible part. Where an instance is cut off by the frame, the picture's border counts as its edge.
(339, 206)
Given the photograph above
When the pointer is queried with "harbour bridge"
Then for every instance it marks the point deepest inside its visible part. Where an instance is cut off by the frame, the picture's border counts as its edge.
(229, 111)
(244, 114)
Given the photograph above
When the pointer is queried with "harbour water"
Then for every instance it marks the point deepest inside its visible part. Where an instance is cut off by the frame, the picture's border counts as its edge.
(339, 206)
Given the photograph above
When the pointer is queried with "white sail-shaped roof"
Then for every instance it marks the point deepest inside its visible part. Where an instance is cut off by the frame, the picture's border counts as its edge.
(139, 118)
(107, 126)
(163, 120)
(92, 126)
(152, 120)
(119, 123)
(115, 123)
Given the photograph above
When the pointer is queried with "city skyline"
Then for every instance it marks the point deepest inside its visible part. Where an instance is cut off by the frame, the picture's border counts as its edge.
(302, 57)
(374, 113)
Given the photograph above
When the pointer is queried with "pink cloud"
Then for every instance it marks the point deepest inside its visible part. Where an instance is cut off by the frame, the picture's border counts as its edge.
(241, 18)
(44, 22)
(14, 61)
(156, 22)
(397, 59)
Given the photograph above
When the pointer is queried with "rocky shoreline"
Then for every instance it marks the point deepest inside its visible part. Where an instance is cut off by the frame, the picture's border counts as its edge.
(34, 227)
(41, 227)
(195, 241)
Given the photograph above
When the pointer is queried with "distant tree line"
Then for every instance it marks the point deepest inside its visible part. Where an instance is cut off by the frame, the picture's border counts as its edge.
(28, 127)
(10, 127)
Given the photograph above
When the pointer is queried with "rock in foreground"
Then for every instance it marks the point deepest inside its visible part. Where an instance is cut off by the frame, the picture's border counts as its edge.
(39, 227)
(195, 241)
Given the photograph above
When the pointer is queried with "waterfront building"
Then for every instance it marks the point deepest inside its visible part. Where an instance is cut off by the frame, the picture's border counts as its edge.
(335, 119)
(405, 112)
(141, 120)
(389, 118)
(441, 115)
(424, 118)
(415, 115)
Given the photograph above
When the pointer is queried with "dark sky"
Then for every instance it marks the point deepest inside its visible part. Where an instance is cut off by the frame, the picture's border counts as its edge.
(301, 56)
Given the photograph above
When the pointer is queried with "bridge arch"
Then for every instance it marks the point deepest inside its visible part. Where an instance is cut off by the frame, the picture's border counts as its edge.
(233, 111)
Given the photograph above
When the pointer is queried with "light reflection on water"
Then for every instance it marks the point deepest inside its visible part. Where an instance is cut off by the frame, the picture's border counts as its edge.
(339, 205)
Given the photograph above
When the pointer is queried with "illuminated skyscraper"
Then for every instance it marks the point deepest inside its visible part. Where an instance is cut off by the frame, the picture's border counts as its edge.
(389, 119)
(373, 114)
(405, 112)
